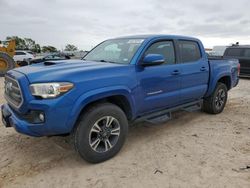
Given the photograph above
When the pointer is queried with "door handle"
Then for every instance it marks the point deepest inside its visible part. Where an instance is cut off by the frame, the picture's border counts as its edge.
(176, 72)
(203, 69)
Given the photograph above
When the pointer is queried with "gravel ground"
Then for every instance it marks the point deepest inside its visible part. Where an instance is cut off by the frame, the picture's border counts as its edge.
(192, 150)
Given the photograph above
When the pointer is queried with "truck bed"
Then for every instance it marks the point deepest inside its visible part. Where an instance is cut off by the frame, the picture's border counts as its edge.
(220, 66)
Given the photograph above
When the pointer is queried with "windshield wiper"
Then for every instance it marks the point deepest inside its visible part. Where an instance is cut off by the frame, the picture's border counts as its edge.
(100, 60)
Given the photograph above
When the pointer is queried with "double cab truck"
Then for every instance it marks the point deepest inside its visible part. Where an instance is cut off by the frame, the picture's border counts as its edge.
(119, 82)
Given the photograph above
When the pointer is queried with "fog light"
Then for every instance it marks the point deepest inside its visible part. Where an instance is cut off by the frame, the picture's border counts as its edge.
(34, 117)
(41, 117)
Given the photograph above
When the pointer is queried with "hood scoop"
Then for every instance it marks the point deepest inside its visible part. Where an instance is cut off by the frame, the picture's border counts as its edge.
(49, 63)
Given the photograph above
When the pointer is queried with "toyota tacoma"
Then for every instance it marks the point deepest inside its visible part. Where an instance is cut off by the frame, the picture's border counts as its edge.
(119, 82)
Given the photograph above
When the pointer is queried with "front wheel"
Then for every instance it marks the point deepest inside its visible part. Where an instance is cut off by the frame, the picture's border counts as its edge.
(100, 133)
(215, 103)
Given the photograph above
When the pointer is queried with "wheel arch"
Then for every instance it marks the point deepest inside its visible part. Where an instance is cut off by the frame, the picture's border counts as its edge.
(223, 78)
(120, 96)
(226, 80)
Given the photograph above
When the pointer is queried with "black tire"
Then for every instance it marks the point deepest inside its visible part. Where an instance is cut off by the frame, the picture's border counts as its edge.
(215, 103)
(22, 63)
(83, 133)
(10, 62)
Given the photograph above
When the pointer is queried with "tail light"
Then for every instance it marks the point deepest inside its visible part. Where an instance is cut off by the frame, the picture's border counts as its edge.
(238, 69)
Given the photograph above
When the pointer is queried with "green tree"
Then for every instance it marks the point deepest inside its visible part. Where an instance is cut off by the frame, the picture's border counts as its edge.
(37, 48)
(29, 43)
(20, 43)
(25, 44)
(49, 49)
(70, 47)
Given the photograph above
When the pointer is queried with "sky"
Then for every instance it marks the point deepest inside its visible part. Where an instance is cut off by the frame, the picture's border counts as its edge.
(86, 23)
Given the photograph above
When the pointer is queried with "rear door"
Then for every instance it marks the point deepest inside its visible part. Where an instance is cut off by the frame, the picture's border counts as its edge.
(195, 71)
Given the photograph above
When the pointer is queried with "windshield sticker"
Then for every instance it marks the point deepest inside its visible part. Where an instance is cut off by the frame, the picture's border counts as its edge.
(135, 41)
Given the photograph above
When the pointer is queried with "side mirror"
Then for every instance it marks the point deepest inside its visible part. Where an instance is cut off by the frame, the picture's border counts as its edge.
(153, 59)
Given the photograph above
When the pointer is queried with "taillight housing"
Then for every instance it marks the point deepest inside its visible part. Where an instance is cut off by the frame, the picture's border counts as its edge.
(238, 69)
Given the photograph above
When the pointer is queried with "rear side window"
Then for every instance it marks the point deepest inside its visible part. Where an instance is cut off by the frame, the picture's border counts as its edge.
(165, 48)
(189, 51)
(233, 52)
(247, 53)
(19, 53)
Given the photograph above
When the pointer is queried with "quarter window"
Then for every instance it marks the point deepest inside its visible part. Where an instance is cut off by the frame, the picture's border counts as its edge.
(165, 48)
(189, 51)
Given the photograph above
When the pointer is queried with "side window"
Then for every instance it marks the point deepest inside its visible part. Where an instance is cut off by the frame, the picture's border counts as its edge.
(19, 53)
(247, 53)
(233, 52)
(165, 48)
(57, 57)
(189, 51)
(49, 57)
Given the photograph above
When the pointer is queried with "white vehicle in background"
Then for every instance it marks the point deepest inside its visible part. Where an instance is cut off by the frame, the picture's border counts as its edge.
(218, 51)
(23, 56)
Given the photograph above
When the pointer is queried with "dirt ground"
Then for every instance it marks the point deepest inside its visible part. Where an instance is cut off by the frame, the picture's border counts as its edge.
(192, 150)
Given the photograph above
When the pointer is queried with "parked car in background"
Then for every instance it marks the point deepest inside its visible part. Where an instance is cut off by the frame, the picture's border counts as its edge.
(121, 81)
(75, 54)
(242, 53)
(217, 51)
(23, 56)
(50, 57)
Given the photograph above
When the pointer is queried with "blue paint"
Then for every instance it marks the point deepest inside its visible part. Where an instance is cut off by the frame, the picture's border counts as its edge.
(147, 89)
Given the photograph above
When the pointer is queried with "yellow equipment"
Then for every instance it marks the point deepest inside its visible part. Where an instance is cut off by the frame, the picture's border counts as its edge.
(7, 52)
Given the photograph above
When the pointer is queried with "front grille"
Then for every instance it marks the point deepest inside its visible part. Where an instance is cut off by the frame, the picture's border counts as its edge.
(12, 92)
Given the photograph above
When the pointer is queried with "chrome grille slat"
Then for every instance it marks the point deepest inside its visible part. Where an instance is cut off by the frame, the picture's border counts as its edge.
(13, 92)
(16, 89)
(18, 96)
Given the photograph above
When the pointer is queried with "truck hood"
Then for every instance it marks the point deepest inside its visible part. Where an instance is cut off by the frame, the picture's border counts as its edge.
(64, 70)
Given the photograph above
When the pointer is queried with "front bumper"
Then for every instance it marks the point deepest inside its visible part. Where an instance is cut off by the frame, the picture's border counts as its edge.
(10, 119)
(55, 123)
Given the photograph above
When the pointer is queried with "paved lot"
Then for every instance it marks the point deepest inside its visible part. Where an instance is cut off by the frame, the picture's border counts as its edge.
(192, 150)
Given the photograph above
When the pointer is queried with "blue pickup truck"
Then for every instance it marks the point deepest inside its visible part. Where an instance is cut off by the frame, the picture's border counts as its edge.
(119, 82)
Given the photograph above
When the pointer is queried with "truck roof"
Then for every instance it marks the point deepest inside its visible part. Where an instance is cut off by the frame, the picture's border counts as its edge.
(239, 46)
(152, 36)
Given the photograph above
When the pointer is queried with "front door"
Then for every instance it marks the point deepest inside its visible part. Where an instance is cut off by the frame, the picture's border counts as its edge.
(159, 85)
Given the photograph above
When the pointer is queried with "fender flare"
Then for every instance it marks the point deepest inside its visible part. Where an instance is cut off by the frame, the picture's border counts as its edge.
(98, 94)
(214, 81)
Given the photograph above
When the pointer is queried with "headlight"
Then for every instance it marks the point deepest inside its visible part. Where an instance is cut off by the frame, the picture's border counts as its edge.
(50, 90)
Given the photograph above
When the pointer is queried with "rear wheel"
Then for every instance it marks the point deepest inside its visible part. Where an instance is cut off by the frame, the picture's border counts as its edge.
(100, 133)
(215, 103)
(6, 63)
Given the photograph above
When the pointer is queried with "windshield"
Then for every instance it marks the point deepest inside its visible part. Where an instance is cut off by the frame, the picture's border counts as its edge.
(115, 51)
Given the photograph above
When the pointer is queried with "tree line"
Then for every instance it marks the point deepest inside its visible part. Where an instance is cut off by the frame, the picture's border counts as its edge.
(30, 44)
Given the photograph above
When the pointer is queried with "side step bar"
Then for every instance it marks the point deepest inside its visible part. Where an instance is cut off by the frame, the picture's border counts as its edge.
(165, 115)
